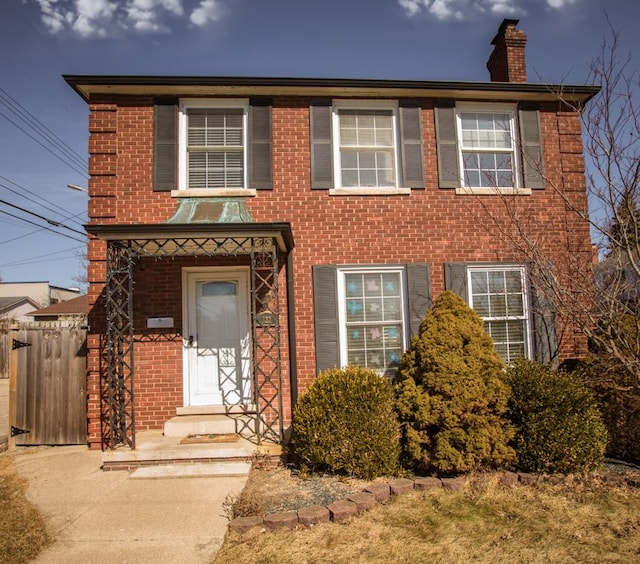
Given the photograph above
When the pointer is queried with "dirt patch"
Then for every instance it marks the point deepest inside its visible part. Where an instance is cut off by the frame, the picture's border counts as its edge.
(270, 490)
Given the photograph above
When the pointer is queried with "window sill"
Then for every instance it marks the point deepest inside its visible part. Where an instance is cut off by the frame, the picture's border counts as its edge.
(214, 193)
(370, 192)
(493, 191)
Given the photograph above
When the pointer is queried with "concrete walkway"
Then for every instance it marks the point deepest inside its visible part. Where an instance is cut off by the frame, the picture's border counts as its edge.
(107, 517)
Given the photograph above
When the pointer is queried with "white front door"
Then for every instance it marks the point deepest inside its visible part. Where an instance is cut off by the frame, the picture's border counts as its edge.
(216, 337)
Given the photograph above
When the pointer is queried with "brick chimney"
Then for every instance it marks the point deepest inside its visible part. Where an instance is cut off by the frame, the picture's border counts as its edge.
(507, 62)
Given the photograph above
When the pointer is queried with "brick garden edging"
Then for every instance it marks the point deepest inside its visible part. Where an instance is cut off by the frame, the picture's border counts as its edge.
(380, 492)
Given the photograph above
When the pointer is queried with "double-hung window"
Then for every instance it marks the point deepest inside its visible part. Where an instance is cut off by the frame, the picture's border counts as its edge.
(213, 144)
(487, 147)
(499, 296)
(372, 317)
(365, 148)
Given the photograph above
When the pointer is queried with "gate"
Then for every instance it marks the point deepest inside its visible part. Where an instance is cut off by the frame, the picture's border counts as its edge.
(47, 385)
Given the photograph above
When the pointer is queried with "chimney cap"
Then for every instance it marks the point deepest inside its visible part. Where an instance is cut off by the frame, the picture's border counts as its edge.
(505, 23)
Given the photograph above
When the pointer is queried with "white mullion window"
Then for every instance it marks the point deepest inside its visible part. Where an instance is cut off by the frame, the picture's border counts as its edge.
(499, 296)
(372, 318)
(365, 151)
(213, 144)
(487, 145)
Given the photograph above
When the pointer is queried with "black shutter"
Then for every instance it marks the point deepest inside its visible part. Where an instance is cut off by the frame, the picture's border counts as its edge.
(418, 295)
(325, 306)
(447, 146)
(531, 149)
(165, 149)
(545, 338)
(411, 145)
(455, 279)
(260, 145)
(321, 149)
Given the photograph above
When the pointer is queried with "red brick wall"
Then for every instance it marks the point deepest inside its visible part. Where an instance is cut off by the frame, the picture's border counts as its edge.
(431, 225)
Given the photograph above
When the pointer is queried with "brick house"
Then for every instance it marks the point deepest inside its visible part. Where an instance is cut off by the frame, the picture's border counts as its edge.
(246, 233)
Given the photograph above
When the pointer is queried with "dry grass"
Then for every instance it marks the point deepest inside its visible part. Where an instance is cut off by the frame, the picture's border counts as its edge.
(22, 530)
(483, 523)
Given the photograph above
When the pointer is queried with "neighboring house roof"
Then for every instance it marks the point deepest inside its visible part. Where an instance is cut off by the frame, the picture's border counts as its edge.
(9, 303)
(76, 306)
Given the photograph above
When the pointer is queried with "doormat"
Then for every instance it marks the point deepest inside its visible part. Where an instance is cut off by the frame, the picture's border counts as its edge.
(210, 438)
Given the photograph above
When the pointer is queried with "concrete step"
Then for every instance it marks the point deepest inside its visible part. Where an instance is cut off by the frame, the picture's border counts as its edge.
(196, 470)
(184, 425)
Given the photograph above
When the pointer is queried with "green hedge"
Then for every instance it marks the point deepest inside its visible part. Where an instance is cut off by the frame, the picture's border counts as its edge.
(559, 426)
(346, 424)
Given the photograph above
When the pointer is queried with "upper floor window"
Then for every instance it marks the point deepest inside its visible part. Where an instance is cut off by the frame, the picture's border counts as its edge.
(213, 148)
(365, 148)
(487, 148)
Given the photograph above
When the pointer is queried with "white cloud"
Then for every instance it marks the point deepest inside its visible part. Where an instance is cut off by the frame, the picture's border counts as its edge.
(208, 11)
(104, 18)
(469, 9)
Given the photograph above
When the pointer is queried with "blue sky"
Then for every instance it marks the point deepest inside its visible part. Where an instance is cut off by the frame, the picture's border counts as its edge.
(40, 40)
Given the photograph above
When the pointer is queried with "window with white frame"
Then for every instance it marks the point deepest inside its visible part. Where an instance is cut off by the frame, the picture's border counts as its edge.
(499, 296)
(372, 318)
(488, 157)
(213, 144)
(365, 152)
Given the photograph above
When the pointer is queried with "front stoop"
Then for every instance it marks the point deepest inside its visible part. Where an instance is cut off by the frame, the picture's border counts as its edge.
(208, 424)
(155, 449)
(220, 469)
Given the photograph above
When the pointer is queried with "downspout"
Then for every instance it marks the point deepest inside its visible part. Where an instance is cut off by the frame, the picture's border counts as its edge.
(293, 363)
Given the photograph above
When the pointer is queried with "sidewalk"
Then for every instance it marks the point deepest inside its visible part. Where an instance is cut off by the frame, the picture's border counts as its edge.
(108, 517)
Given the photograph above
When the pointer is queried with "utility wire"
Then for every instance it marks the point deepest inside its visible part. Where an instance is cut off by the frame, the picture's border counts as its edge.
(49, 221)
(40, 128)
(41, 227)
(66, 162)
(39, 203)
(39, 258)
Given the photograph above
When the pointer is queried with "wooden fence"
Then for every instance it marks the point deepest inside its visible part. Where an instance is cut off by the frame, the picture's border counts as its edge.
(47, 384)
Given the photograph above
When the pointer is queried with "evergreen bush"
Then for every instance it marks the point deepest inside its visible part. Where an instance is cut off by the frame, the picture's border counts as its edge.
(450, 394)
(345, 423)
(558, 424)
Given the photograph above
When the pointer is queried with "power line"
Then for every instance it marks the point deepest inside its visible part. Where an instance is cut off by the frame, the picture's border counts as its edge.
(49, 221)
(39, 203)
(41, 227)
(38, 259)
(40, 128)
(66, 162)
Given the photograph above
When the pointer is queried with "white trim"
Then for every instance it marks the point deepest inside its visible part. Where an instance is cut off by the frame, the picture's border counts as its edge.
(341, 104)
(369, 191)
(217, 193)
(216, 103)
(190, 273)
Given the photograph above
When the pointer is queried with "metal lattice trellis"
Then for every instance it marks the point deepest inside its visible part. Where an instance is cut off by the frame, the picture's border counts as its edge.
(118, 417)
(118, 423)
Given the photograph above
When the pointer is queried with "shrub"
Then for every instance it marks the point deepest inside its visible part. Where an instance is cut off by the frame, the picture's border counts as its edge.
(558, 425)
(450, 394)
(346, 424)
(618, 396)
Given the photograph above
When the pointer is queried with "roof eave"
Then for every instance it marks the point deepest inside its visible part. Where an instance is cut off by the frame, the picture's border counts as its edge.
(89, 85)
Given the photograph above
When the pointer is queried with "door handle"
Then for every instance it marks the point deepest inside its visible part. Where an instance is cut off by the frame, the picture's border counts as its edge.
(190, 340)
